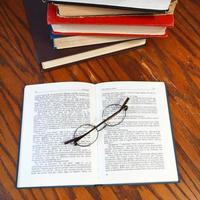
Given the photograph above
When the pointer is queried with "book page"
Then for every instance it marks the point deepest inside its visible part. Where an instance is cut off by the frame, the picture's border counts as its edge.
(140, 149)
(51, 114)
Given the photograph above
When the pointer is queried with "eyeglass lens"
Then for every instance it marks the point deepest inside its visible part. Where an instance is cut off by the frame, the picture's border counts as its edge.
(116, 119)
(89, 138)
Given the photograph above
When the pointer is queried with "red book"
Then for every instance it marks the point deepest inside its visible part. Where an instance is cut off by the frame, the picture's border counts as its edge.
(152, 20)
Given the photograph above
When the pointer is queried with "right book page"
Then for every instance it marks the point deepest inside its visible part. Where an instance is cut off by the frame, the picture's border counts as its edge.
(141, 148)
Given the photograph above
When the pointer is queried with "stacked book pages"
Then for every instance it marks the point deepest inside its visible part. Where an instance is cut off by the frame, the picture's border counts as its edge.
(86, 23)
(67, 31)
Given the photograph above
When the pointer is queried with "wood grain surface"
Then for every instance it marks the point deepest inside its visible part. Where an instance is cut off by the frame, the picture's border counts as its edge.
(174, 60)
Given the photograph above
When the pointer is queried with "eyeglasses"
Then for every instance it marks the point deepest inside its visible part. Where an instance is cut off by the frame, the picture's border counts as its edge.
(87, 134)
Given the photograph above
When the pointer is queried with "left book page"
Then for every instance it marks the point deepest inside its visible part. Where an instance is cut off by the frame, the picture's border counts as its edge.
(51, 113)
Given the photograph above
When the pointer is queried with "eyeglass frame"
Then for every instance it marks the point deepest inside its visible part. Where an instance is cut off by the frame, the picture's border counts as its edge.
(76, 139)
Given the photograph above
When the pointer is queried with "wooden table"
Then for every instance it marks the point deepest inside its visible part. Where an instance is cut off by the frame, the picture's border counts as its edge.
(174, 60)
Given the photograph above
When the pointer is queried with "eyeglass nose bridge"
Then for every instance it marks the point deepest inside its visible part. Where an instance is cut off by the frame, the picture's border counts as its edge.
(102, 127)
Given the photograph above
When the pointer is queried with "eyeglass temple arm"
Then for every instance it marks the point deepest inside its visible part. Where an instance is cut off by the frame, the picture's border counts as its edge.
(124, 104)
(73, 140)
(78, 138)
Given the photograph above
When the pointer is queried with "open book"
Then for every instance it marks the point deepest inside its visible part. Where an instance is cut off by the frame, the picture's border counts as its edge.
(138, 150)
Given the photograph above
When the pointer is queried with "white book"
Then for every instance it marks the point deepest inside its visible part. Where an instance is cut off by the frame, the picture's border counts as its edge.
(141, 4)
(138, 150)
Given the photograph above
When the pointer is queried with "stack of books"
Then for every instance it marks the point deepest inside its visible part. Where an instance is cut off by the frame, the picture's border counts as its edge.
(77, 23)
(67, 31)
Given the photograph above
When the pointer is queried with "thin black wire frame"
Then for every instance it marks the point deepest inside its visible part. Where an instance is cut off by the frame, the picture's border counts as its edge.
(76, 139)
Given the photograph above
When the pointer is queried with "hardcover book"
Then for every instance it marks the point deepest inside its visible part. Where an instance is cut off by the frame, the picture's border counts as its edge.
(108, 30)
(61, 42)
(148, 20)
(77, 10)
